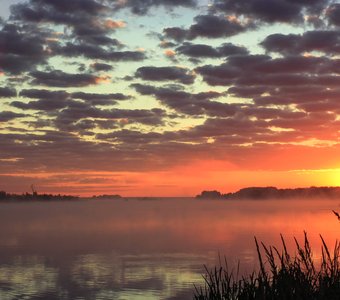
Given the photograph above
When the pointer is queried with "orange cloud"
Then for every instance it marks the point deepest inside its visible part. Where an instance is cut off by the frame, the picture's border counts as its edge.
(112, 24)
(170, 53)
(103, 79)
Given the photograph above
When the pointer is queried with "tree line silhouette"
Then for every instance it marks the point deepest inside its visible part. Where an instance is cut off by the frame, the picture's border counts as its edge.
(274, 193)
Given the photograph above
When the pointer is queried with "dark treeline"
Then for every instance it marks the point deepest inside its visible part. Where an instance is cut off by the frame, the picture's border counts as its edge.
(104, 196)
(273, 192)
(4, 196)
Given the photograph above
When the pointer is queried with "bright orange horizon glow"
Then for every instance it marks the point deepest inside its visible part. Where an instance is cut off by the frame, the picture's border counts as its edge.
(186, 181)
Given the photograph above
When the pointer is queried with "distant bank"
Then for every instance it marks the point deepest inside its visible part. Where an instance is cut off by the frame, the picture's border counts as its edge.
(4, 196)
(274, 193)
(34, 196)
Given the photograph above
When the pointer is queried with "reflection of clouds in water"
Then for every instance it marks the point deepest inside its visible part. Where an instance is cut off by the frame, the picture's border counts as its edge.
(94, 271)
(26, 278)
(145, 249)
(138, 276)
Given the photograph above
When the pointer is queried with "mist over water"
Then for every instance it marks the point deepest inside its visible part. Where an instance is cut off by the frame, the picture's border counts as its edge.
(143, 249)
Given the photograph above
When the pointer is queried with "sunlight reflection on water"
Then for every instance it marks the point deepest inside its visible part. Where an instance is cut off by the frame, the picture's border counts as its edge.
(142, 249)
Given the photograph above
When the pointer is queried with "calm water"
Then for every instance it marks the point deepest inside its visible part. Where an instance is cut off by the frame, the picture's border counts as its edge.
(142, 249)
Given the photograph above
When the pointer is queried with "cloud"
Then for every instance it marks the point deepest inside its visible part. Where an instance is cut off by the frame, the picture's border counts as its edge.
(58, 78)
(7, 92)
(175, 33)
(211, 26)
(101, 67)
(22, 48)
(170, 53)
(96, 52)
(6, 116)
(181, 75)
(56, 100)
(77, 111)
(326, 41)
(43, 94)
(264, 71)
(141, 7)
(207, 51)
(207, 26)
(87, 19)
(197, 50)
(58, 12)
(191, 104)
(310, 84)
(282, 11)
(93, 96)
(333, 14)
(45, 105)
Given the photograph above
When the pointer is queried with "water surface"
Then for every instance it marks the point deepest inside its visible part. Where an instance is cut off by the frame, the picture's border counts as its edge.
(142, 249)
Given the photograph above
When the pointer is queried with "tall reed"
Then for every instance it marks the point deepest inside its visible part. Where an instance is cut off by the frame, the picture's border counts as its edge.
(280, 276)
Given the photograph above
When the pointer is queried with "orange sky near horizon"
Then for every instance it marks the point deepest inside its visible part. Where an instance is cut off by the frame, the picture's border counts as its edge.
(185, 181)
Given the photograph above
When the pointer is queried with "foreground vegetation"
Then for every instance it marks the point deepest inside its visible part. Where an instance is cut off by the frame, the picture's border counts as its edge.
(280, 276)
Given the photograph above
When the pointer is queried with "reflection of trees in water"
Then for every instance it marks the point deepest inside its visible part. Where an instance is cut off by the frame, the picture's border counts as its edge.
(130, 276)
(100, 276)
(26, 278)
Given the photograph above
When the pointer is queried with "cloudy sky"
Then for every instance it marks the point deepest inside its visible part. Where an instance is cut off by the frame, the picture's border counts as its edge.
(168, 97)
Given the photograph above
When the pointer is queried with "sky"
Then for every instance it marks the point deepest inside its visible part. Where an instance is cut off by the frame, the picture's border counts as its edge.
(168, 97)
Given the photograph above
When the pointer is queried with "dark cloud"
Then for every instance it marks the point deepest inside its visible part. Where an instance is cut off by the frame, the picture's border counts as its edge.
(77, 111)
(211, 26)
(310, 84)
(43, 104)
(58, 78)
(85, 18)
(197, 50)
(94, 51)
(247, 92)
(48, 100)
(101, 67)
(6, 116)
(56, 100)
(223, 74)
(39, 151)
(64, 6)
(323, 41)
(22, 48)
(43, 94)
(176, 33)
(93, 96)
(181, 75)
(333, 14)
(228, 49)
(141, 7)
(284, 11)
(264, 71)
(76, 13)
(203, 50)
(235, 68)
(293, 64)
(187, 103)
(6, 92)
(100, 99)
(207, 26)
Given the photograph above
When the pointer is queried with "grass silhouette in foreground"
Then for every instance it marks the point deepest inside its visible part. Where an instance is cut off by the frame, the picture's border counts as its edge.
(281, 276)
